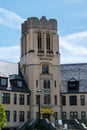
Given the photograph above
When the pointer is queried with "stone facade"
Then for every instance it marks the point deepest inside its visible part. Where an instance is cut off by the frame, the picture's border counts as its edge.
(40, 51)
(43, 23)
(64, 87)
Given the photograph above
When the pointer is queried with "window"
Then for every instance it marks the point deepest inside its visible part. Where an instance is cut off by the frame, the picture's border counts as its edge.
(19, 83)
(37, 115)
(28, 99)
(55, 83)
(21, 116)
(47, 99)
(28, 115)
(21, 46)
(73, 100)
(64, 116)
(21, 99)
(14, 116)
(8, 116)
(48, 42)
(37, 99)
(82, 100)
(6, 98)
(73, 115)
(15, 98)
(36, 83)
(39, 41)
(24, 68)
(63, 100)
(25, 40)
(46, 84)
(73, 86)
(45, 69)
(55, 99)
(83, 115)
(56, 115)
(3, 81)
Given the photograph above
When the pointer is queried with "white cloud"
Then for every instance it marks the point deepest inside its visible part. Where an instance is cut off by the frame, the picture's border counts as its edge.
(73, 48)
(10, 19)
(74, 1)
(11, 54)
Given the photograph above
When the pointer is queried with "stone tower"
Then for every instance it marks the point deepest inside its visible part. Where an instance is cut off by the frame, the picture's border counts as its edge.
(40, 65)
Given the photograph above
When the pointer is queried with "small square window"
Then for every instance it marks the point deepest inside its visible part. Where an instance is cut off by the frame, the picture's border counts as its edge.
(45, 69)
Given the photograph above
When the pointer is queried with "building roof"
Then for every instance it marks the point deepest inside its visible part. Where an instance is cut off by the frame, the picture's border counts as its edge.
(11, 72)
(77, 72)
(8, 68)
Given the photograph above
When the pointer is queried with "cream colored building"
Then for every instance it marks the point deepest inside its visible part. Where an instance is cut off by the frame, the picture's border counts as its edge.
(74, 91)
(39, 69)
(40, 65)
(14, 95)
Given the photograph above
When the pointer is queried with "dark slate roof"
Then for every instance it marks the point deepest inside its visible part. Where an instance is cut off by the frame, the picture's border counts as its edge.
(77, 72)
(10, 71)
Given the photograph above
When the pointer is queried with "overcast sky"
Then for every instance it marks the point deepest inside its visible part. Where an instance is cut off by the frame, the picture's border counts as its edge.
(71, 16)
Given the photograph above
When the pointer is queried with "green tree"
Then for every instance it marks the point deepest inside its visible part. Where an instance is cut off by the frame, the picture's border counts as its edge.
(2, 117)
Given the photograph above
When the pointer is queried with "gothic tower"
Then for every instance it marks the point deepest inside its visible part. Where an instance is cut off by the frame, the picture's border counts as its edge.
(40, 65)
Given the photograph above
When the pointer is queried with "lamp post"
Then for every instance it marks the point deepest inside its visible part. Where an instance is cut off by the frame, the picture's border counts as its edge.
(39, 95)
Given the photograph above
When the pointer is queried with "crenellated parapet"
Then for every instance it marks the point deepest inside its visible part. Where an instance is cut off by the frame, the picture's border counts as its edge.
(42, 23)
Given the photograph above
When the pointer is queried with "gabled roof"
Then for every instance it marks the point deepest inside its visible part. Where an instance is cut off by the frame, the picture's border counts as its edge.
(10, 71)
(8, 68)
(77, 72)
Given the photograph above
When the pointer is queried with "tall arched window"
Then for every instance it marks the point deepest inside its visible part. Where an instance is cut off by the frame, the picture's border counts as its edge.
(39, 41)
(48, 41)
(47, 99)
(46, 84)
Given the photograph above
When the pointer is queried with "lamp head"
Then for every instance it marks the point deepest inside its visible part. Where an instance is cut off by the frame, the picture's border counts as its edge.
(39, 92)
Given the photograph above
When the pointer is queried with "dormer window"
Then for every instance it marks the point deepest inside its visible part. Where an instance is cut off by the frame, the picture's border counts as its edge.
(3, 82)
(73, 85)
(17, 83)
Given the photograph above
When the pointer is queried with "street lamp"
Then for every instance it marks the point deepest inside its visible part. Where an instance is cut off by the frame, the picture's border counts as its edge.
(39, 95)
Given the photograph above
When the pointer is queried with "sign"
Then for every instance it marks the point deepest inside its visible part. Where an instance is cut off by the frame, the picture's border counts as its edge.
(46, 110)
